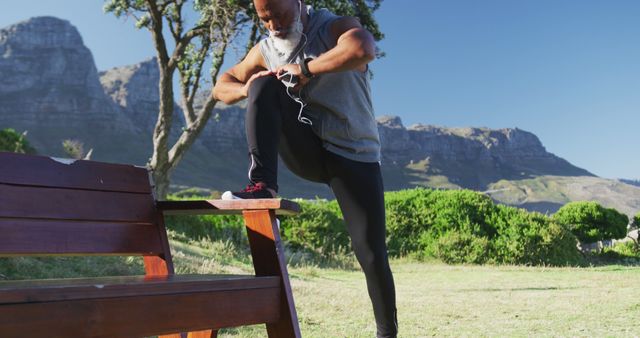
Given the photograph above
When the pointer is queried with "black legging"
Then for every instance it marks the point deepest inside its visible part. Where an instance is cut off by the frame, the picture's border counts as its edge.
(272, 127)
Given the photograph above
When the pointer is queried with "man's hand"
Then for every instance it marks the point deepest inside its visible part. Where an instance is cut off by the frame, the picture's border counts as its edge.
(245, 88)
(295, 70)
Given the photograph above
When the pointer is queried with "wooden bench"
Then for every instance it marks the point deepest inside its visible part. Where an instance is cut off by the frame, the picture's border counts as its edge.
(48, 207)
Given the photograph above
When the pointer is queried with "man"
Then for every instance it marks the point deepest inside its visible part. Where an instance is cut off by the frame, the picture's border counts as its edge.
(309, 100)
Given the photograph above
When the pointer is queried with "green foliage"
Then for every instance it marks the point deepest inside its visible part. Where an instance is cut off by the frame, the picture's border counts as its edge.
(210, 227)
(410, 213)
(75, 149)
(195, 194)
(531, 238)
(624, 252)
(590, 222)
(455, 226)
(636, 221)
(465, 226)
(361, 9)
(12, 141)
(319, 228)
(68, 267)
(456, 247)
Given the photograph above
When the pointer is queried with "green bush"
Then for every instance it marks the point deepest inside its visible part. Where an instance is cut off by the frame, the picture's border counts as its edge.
(319, 228)
(455, 247)
(531, 238)
(212, 227)
(411, 213)
(14, 142)
(228, 227)
(455, 226)
(591, 222)
(625, 251)
(461, 225)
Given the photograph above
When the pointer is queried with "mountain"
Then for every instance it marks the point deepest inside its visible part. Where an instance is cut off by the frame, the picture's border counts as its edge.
(51, 88)
(465, 157)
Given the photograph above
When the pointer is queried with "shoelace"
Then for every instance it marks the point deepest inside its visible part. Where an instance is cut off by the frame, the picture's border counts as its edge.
(253, 188)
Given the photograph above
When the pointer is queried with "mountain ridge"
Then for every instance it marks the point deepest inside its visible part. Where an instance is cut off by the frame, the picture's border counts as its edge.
(53, 90)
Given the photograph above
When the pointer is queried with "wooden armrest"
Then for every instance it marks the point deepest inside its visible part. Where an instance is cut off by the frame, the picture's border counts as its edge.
(220, 207)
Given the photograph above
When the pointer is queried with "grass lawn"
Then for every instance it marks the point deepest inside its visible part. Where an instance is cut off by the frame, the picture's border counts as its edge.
(473, 301)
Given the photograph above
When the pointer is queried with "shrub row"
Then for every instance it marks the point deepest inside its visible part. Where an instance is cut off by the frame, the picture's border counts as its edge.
(456, 226)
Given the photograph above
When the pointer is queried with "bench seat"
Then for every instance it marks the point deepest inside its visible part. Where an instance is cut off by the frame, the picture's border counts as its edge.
(136, 305)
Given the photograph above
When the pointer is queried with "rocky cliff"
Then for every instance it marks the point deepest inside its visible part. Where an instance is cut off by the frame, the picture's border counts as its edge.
(49, 86)
(469, 157)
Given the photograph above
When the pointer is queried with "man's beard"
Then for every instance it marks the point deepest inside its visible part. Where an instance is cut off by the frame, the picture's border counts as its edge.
(285, 47)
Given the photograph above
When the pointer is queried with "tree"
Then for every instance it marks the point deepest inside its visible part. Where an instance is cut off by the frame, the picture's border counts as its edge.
(591, 222)
(12, 141)
(218, 27)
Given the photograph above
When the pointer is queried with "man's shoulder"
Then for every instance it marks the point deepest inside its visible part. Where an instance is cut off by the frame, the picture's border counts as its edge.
(320, 20)
(322, 15)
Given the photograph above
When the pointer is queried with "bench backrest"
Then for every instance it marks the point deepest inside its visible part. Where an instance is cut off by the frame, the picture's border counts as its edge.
(49, 207)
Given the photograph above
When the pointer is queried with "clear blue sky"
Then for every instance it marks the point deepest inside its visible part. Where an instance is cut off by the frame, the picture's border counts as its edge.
(566, 70)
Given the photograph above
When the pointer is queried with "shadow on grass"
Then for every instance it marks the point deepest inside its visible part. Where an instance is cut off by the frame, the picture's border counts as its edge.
(516, 289)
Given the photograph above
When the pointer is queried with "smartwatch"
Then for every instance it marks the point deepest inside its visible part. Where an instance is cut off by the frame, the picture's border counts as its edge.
(305, 68)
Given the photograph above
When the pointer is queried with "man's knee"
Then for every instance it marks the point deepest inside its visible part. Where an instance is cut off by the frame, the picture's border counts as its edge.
(264, 86)
(372, 259)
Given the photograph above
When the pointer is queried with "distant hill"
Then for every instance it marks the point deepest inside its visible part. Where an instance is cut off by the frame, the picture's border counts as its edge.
(631, 182)
(50, 87)
(548, 193)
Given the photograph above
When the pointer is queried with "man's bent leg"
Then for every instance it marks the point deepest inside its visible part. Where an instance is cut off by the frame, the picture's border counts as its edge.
(359, 191)
(263, 123)
(272, 126)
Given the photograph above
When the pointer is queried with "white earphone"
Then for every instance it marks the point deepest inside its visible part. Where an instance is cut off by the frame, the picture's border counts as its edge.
(291, 59)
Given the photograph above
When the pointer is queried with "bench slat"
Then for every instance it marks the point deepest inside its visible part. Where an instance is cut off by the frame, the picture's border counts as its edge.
(32, 237)
(43, 171)
(54, 203)
(140, 316)
(282, 206)
(54, 290)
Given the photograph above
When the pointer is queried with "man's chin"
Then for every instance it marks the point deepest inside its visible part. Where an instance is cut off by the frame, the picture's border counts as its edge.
(285, 46)
(281, 36)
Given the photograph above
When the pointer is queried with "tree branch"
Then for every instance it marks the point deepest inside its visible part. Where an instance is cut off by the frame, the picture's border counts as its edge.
(183, 42)
(202, 55)
(192, 131)
(156, 32)
(173, 31)
(190, 134)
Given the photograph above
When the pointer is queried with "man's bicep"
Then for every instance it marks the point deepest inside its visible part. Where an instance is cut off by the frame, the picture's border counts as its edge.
(251, 64)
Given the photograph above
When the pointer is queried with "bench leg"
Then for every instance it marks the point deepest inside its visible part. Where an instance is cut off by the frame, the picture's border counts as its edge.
(203, 334)
(269, 260)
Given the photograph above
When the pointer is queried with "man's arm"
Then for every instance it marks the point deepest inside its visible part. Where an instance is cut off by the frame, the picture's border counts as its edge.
(354, 49)
(233, 85)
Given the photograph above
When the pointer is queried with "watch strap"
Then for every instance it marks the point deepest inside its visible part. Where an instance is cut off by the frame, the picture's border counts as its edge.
(305, 68)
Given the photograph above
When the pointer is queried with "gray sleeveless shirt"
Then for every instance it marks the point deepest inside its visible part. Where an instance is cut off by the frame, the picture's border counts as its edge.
(338, 104)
